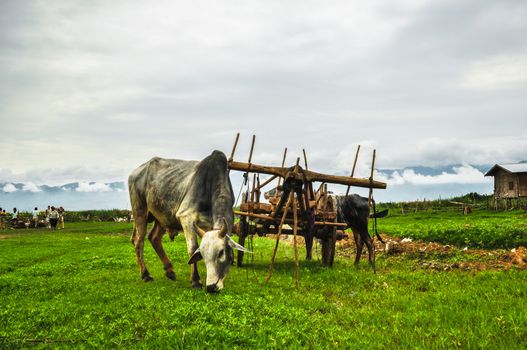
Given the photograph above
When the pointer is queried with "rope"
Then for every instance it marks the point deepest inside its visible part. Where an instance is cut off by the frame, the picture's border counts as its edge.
(374, 224)
(245, 182)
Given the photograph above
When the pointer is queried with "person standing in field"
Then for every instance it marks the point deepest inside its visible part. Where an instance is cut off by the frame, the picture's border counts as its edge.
(53, 218)
(61, 217)
(48, 210)
(35, 217)
(14, 217)
(2, 216)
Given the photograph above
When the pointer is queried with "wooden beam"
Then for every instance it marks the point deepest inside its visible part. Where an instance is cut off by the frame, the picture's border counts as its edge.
(270, 218)
(310, 175)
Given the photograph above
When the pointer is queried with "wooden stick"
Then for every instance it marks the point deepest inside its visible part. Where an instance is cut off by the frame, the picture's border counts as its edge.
(371, 179)
(278, 237)
(257, 188)
(270, 218)
(295, 244)
(251, 152)
(283, 163)
(234, 147)
(254, 187)
(285, 155)
(353, 169)
(267, 181)
(305, 158)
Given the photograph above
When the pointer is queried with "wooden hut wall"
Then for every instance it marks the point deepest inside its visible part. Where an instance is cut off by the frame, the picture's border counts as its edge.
(522, 185)
(507, 185)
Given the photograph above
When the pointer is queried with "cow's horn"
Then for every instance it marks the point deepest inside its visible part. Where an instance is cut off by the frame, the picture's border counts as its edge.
(199, 230)
(223, 229)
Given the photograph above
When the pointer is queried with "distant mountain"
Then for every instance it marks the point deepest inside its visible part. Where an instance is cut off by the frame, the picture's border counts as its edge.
(434, 171)
(404, 184)
(92, 186)
(72, 196)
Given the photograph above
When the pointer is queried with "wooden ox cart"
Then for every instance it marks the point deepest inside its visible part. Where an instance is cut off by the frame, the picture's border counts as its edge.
(294, 205)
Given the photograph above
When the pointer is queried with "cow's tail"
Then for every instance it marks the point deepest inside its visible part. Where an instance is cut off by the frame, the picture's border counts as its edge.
(375, 222)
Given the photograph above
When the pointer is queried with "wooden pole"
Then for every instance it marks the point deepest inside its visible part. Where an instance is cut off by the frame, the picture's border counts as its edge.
(267, 181)
(251, 152)
(353, 169)
(295, 244)
(231, 158)
(288, 204)
(371, 179)
(305, 158)
(257, 189)
(283, 163)
(270, 218)
(310, 175)
(254, 187)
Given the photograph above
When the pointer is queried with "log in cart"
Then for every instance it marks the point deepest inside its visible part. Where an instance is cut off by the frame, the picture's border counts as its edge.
(294, 205)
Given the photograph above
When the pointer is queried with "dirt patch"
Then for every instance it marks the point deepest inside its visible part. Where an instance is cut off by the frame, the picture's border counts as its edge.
(435, 256)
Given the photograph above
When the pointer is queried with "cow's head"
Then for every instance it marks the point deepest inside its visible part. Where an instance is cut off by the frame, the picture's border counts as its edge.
(216, 250)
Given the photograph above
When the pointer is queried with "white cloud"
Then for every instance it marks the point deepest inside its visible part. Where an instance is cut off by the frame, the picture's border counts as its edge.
(63, 175)
(112, 85)
(93, 187)
(8, 188)
(465, 174)
(501, 72)
(437, 151)
(31, 187)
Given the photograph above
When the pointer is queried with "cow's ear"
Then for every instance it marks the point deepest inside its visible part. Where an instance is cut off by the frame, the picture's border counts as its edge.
(236, 246)
(195, 257)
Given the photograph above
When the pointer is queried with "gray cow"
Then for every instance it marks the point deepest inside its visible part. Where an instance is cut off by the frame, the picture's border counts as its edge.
(193, 196)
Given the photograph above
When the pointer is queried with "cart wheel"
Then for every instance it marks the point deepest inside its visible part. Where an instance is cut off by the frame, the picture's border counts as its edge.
(328, 247)
(244, 228)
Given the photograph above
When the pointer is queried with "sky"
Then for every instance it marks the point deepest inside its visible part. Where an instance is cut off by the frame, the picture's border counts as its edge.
(91, 89)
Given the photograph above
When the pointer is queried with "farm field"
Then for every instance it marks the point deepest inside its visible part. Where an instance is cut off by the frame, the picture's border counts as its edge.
(481, 229)
(80, 288)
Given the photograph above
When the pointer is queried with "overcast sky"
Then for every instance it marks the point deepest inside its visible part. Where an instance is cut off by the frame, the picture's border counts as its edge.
(91, 89)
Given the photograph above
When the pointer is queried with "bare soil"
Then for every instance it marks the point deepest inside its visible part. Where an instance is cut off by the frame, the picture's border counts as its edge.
(435, 256)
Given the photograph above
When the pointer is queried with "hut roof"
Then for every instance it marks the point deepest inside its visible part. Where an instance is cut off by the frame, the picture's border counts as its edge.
(510, 168)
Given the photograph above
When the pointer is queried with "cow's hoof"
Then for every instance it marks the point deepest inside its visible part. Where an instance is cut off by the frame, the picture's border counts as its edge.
(212, 288)
(171, 275)
(197, 284)
(146, 277)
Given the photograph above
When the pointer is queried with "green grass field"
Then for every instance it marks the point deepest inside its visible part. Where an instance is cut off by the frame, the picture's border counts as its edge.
(80, 288)
(481, 229)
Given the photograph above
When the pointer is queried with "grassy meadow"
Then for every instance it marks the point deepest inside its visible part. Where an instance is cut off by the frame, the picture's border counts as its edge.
(480, 229)
(80, 288)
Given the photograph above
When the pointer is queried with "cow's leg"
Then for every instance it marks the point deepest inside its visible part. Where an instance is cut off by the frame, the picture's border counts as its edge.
(365, 237)
(192, 246)
(139, 244)
(132, 237)
(359, 244)
(371, 252)
(156, 238)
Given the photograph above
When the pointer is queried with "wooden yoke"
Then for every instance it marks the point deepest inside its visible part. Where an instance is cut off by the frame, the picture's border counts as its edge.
(309, 175)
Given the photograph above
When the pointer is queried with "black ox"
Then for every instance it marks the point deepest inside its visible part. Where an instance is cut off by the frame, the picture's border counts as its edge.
(355, 211)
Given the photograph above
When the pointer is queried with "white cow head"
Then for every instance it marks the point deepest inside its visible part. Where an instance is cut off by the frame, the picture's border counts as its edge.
(216, 249)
